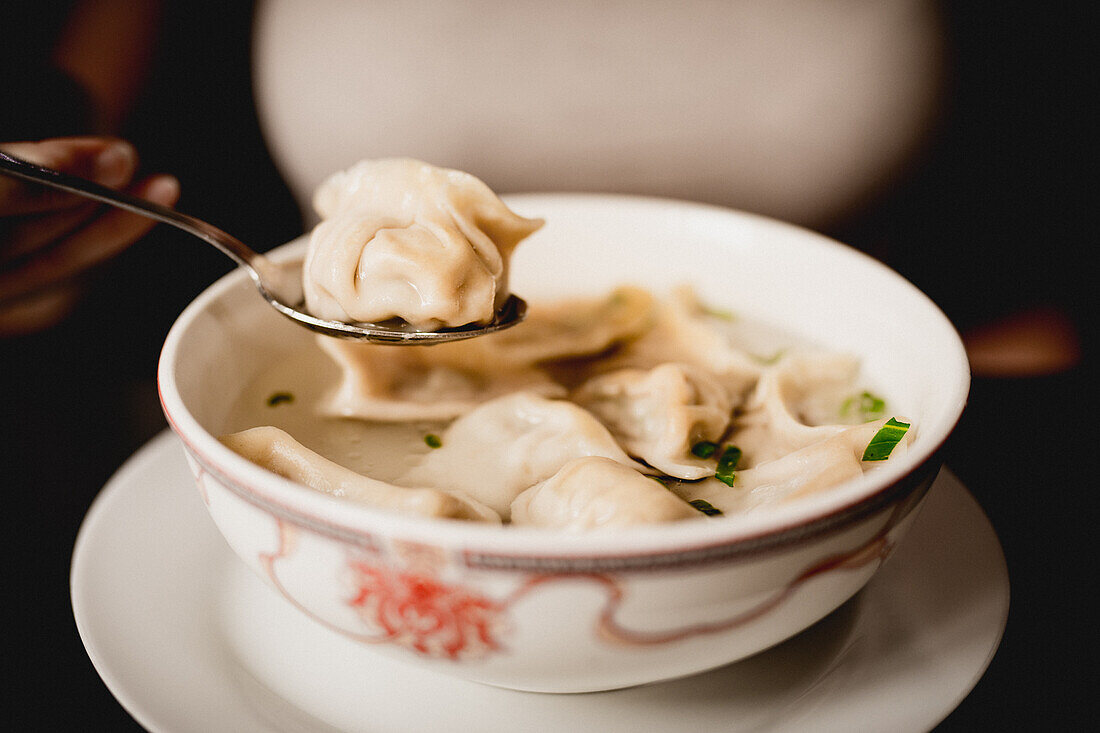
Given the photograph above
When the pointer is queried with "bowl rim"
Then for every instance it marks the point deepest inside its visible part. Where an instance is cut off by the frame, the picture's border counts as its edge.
(649, 545)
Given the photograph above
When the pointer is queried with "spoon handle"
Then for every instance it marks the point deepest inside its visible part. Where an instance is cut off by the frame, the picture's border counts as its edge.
(227, 243)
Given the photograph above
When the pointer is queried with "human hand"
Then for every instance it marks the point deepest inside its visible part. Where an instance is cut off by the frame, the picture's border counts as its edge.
(50, 240)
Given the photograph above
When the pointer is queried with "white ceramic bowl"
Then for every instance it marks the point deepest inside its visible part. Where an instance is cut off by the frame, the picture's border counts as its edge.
(536, 610)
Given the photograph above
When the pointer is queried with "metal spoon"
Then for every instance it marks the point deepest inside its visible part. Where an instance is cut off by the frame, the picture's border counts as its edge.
(280, 284)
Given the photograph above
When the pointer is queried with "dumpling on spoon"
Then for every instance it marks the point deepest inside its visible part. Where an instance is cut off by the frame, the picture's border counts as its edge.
(403, 239)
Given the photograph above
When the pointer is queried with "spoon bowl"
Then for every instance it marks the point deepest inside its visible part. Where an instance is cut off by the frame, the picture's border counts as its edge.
(280, 284)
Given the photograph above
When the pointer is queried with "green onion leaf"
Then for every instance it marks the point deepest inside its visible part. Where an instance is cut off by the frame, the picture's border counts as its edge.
(433, 440)
(885, 439)
(869, 406)
(704, 449)
(768, 360)
(706, 507)
(719, 313)
(727, 463)
(658, 479)
(279, 398)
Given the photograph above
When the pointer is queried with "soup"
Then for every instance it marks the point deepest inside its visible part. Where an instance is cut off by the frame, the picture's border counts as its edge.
(600, 412)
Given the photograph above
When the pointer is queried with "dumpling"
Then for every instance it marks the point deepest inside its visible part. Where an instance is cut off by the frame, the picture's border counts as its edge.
(509, 444)
(659, 414)
(403, 239)
(564, 330)
(776, 415)
(279, 453)
(399, 383)
(578, 327)
(684, 333)
(820, 465)
(592, 492)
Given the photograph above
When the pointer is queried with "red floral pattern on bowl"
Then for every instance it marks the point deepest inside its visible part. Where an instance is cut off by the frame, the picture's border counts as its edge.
(425, 615)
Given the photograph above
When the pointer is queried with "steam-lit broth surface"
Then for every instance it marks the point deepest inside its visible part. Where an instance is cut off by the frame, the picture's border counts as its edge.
(287, 396)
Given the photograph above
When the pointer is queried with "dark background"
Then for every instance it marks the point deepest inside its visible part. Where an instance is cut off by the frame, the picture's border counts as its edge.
(991, 219)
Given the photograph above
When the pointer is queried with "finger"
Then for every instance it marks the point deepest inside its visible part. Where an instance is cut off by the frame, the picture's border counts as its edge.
(108, 161)
(25, 234)
(103, 238)
(39, 310)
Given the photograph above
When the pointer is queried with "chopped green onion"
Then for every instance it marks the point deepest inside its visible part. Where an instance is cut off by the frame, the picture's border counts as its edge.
(885, 439)
(725, 315)
(768, 360)
(279, 398)
(706, 507)
(727, 463)
(870, 406)
(704, 449)
(433, 440)
(658, 479)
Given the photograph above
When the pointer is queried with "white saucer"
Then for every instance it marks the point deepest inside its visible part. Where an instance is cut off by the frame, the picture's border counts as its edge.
(188, 640)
